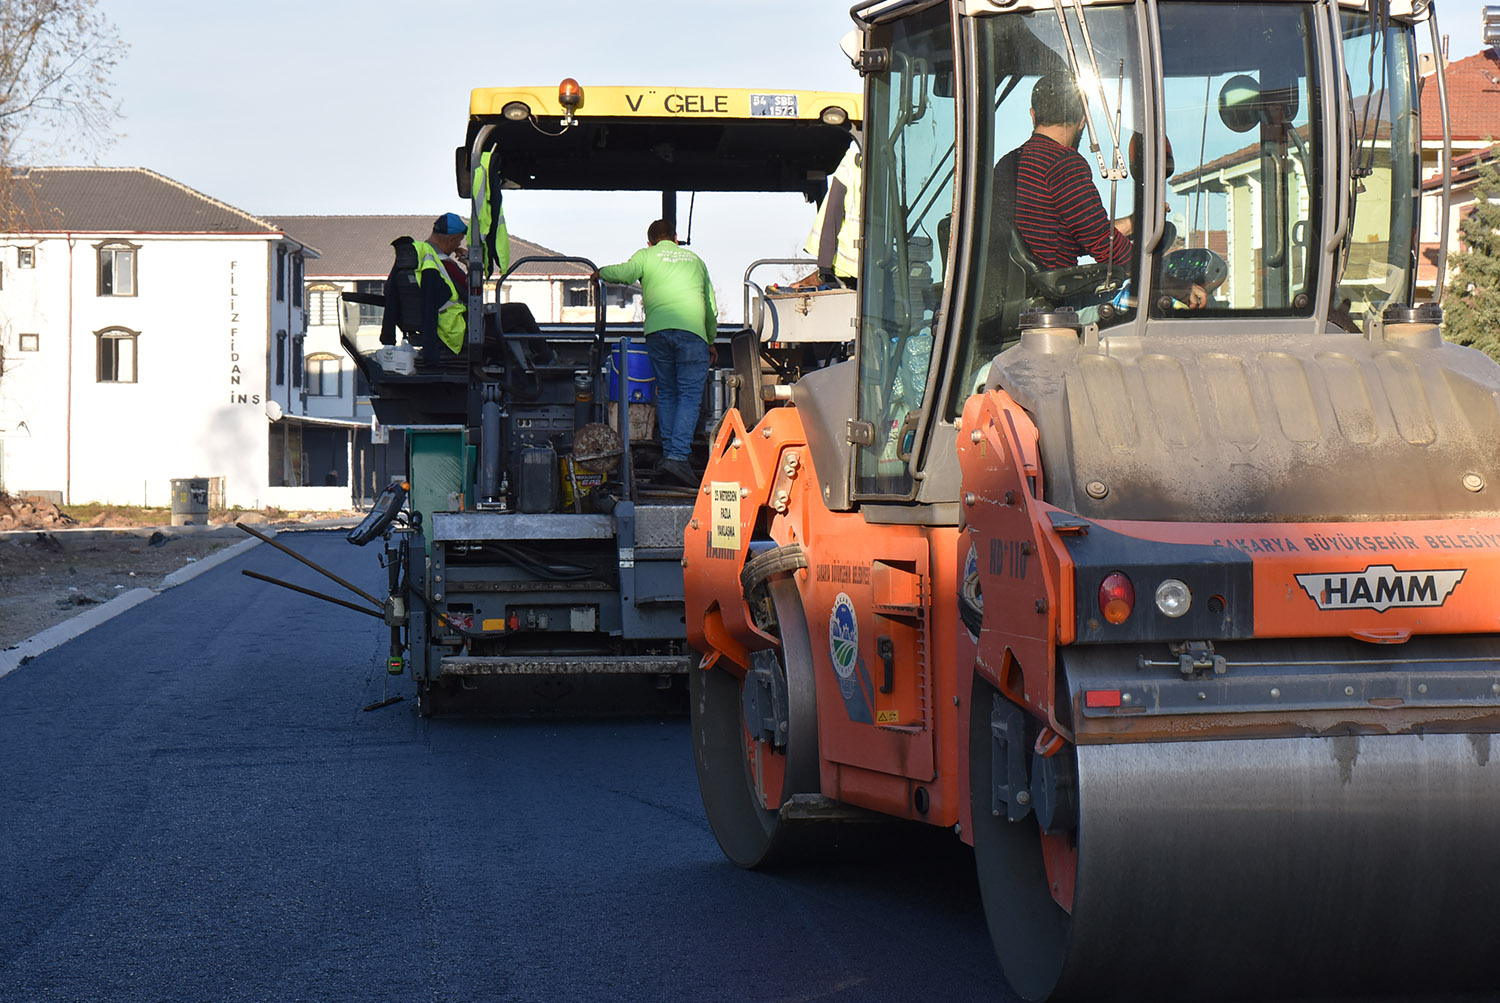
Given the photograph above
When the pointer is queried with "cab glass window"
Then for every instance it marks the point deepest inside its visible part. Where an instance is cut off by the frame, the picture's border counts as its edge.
(909, 165)
(1024, 255)
(1243, 113)
(1374, 264)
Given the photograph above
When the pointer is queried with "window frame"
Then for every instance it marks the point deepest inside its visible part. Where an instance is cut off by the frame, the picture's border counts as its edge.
(370, 316)
(319, 313)
(26, 256)
(281, 273)
(281, 358)
(318, 387)
(117, 333)
(113, 248)
(35, 343)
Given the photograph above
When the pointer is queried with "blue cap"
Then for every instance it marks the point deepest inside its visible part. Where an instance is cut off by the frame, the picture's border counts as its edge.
(450, 222)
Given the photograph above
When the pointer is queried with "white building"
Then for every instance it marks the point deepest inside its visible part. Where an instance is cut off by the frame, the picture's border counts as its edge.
(145, 328)
(149, 332)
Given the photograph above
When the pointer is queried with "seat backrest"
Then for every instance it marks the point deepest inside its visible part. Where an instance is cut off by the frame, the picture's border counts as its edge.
(1007, 262)
(408, 290)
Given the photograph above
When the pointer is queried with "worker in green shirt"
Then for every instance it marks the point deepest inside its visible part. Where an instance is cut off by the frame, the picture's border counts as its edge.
(681, 322)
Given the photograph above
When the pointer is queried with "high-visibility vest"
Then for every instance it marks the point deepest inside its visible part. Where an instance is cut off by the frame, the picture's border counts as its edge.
(493, 235)
(846, 250)
(452, 329)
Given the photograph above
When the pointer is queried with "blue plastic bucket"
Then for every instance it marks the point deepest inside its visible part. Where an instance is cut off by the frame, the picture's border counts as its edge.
(640, 380)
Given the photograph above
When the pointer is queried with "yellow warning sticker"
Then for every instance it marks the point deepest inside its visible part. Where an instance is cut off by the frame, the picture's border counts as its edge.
(497, 624)
(886, 717)
(725, 520)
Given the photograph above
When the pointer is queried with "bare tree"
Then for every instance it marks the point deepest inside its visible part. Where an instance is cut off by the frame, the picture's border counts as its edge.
(56, 58)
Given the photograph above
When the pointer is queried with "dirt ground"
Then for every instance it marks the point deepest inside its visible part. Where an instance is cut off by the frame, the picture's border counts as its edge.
(53, 567)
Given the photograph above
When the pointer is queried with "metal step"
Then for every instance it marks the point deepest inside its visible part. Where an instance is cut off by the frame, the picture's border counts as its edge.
(574, 665)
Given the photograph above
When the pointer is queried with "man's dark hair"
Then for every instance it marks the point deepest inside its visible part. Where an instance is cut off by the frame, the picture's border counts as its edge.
(660, 230)
(1056, 101)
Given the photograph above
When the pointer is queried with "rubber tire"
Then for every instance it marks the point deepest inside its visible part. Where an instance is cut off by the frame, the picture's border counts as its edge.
(749, 835)
(1029, 930)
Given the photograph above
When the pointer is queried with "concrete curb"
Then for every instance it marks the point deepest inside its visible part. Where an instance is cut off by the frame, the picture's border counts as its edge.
(218, 557)
(13, 658)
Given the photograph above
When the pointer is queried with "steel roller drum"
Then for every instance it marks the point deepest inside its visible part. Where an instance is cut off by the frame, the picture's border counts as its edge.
(1270, 867)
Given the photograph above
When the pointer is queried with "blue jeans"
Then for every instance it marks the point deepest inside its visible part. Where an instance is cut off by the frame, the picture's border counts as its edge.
(680, 361)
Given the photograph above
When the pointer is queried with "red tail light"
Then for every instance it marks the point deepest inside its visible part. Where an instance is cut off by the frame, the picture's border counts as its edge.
(1116, 597)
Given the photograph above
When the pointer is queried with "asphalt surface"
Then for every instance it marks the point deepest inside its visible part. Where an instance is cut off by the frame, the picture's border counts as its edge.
(194, 806)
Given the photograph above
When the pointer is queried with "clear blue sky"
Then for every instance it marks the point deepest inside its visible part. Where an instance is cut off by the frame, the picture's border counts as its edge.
(355, 106)
(338, 106)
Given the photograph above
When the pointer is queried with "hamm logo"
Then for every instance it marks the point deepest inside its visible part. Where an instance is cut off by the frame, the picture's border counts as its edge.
(1380, 587)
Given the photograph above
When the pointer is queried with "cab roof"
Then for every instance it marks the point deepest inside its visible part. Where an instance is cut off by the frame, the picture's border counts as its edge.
(666, 138)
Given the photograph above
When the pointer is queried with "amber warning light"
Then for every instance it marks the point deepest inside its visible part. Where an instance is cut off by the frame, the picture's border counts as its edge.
(570, 96)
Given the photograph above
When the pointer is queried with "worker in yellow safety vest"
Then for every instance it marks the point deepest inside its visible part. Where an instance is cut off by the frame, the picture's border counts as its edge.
(836, 227)
(426, 294)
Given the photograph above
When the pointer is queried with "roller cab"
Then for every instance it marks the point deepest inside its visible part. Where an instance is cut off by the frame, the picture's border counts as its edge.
(1167, 580)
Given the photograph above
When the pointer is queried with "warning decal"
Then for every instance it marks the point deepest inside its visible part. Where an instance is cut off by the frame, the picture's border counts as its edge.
(724, 522)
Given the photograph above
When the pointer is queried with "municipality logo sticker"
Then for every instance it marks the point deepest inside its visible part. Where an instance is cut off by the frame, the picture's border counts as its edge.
(843, 636)
(1381, 587)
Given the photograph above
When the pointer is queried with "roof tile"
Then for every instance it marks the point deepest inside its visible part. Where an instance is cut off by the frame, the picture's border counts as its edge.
(117, 200)
(1473, 99)
(353, 247)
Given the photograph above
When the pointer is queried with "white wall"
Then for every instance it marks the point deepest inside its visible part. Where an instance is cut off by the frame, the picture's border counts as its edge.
(203, 308)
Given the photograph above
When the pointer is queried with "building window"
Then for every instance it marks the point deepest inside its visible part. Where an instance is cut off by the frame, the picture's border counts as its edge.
(281, 358)
(30, 342)
(116, 355)
(322, 305)
(280, 273)
(296, 280)
(117, 269)
(297, 361)
(323, 375)
(25, 257)
(578, 294)
(369, 314)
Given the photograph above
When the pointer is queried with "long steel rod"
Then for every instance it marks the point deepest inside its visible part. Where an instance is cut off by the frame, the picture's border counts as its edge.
(320, 570)
(309, 592)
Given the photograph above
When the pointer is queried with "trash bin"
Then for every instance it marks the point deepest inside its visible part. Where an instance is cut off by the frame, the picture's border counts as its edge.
(190, 501)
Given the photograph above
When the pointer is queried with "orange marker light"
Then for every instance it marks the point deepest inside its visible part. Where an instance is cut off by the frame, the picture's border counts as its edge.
(1116, 597)
(569, 94)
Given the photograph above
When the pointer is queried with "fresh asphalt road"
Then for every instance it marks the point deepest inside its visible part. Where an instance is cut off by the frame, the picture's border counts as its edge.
(193, 806)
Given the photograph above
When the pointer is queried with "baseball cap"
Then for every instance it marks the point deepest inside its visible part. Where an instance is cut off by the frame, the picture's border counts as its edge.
(450, 222)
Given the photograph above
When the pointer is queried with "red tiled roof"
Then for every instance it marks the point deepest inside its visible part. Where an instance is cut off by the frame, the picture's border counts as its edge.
(1473, 99)
(118, 200)
(1465, 169)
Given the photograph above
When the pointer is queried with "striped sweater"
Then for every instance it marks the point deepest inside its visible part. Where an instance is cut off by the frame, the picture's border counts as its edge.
(1058, 210)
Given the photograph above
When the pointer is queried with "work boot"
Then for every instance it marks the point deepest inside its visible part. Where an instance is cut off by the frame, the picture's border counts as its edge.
(678, 470)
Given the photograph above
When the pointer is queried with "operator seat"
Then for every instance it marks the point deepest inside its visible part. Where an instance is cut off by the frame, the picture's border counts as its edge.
(1022, 281)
